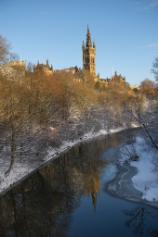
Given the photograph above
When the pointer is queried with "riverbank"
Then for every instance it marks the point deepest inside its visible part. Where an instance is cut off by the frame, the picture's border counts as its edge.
(137, 180)
(21, 171)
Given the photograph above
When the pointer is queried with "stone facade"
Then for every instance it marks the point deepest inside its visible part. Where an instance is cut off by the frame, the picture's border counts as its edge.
(89, 55)
(46, 69)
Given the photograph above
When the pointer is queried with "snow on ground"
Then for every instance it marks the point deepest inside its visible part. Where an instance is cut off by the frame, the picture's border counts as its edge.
(21, 170)
(146, 180)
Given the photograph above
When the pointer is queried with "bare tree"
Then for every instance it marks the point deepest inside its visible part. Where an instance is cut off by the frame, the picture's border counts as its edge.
(144, 123)
(4, 49)
(148, 88)
(155, 68)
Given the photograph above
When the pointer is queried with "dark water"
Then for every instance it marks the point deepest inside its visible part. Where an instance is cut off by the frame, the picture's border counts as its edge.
(68, 199)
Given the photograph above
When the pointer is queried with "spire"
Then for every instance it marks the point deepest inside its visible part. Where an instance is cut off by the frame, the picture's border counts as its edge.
(94, 199)
(83, 45)
(47, 63)
(88, 41)
(94, 45)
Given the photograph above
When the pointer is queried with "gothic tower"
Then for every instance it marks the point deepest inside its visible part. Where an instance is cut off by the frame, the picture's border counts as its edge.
(89, 54)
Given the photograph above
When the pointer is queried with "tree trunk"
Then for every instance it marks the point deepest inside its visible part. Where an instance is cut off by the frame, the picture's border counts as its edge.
(13, 149)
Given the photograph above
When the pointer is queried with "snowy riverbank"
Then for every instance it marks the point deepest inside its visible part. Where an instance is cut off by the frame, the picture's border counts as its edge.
(21, 171)
(137, 180)
(146, 179)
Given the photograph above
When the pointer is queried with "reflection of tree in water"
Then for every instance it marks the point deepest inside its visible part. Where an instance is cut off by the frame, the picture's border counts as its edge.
(42, 205)
(81, 170)
(138, 220)
(35, 210)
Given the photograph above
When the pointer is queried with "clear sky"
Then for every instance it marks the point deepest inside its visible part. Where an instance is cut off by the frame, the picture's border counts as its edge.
(125, 31)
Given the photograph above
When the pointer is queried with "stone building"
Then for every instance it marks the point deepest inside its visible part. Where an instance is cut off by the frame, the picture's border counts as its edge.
(46, 69)
(89, 55)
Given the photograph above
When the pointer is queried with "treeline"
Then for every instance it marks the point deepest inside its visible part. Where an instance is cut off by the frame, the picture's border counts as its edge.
(60, 107)
(39, 109)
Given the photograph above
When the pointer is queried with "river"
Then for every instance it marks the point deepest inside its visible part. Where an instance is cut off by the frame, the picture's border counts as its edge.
(68, 198)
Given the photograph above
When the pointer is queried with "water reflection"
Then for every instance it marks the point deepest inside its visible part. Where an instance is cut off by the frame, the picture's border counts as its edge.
(136, 219)
(42, 205)
(46, 204)
(142, 220)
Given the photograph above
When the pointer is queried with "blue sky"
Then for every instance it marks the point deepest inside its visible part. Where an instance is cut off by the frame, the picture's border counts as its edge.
(125, 32)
